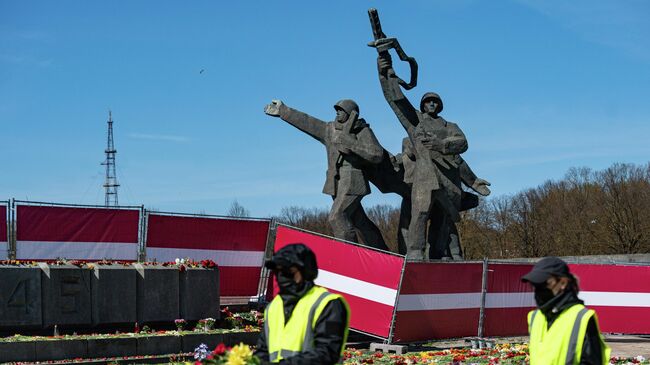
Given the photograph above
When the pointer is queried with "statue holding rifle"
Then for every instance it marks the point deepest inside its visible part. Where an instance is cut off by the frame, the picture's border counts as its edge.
(437, 169)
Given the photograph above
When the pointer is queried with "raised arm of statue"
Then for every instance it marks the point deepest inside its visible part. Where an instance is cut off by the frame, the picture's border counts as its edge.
(305, 122)
(401, 106)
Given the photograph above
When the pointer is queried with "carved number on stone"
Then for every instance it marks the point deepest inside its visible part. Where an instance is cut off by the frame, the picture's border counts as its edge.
(69, 291)
(20, 296)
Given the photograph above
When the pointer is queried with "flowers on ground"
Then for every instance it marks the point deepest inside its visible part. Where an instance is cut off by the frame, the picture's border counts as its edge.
(222, 355)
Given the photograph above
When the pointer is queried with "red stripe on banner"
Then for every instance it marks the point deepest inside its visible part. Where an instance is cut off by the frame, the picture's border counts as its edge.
(506, 321)
(612, 278)
(346, 259)
(206, 233)
(506, 278)
(429, 325)
(239, 281)
(442, 278)
(3, 223)
(68, 224)
(629, 320)
(368, 316)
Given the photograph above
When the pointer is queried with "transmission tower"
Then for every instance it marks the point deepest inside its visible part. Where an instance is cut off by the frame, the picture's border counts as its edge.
(111, 180)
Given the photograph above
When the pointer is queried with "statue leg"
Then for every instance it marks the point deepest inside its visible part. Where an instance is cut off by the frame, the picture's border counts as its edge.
(455, 250)
(438, 234)
(340, 217)
(404, 222)
(421, 204)
(370, 234)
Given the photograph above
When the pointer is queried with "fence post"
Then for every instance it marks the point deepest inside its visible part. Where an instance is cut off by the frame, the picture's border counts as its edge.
(265, 273)
(481, 318)
(142, 245)
(12, 229)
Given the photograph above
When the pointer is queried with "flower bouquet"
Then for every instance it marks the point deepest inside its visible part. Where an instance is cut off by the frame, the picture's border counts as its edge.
(222, 355)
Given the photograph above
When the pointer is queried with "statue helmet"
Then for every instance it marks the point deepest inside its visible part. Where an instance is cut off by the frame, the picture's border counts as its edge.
(347, 106)
(429, 96)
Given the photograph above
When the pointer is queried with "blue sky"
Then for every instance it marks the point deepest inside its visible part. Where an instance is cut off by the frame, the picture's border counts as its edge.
(537, 87)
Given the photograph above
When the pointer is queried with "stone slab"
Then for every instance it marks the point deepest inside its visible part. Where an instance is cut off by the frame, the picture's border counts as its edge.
(157, 294)
(66, 295)
(20, 297)
(199, 294)
(189, 342)
(398, 349)
(159, 345)
(234, 338)
(61, 350)
(17, 351)
(113, 294)
(112, 347)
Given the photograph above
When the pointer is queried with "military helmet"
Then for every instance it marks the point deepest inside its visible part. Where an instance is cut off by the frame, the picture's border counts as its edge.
(347, 106)
(429, 96)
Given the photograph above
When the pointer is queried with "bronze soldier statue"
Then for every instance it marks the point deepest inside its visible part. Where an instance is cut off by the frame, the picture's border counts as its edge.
(434, 150)
(352, 152)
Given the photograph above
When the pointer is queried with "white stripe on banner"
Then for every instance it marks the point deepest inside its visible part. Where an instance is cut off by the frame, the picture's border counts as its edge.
(37, 250)
(358, 288)
(615, 299)
(221, 257)
(426, 302)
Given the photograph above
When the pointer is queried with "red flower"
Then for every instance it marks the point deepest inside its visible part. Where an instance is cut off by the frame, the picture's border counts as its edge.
(220, 349)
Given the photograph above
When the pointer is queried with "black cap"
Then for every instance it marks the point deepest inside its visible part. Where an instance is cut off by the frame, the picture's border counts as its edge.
(545, 268)
(298, 255)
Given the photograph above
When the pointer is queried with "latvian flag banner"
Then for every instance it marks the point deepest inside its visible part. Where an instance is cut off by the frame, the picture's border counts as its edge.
(4, 246)
(79, 233)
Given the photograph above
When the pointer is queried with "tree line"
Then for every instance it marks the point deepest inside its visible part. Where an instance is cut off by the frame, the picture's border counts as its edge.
(585, 213)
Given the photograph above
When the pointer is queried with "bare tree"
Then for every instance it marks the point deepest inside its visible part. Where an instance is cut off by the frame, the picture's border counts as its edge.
(237, 210)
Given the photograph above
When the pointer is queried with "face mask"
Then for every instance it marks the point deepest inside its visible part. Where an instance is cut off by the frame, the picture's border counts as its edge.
(285, 282)
(543, 295)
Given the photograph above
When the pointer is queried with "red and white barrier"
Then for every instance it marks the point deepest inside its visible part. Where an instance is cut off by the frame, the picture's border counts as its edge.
(4, 239)
(367, 278)
(83, 233)
(236, 245)
(438, 300)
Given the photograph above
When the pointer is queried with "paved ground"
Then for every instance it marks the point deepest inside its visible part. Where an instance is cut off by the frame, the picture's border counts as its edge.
(622, 345)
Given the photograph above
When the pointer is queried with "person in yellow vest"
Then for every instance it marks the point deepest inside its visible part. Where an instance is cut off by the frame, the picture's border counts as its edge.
(304, 323)
(562, 330)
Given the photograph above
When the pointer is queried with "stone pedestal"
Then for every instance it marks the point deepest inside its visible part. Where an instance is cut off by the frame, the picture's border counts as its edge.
(66, 295)
(199, 294)
(20, 297)
(157, 293)
(113, 289)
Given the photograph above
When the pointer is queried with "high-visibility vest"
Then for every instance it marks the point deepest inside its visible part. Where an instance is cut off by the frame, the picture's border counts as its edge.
(562, 343)
(297, 335)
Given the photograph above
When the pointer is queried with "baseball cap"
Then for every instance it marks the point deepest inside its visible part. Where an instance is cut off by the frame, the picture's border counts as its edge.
(545, 268)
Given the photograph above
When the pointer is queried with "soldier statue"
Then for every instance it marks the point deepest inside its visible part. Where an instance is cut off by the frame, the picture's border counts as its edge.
(352, 154)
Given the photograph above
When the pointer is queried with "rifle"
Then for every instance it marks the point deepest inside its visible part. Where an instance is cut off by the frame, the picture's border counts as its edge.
(384, 44)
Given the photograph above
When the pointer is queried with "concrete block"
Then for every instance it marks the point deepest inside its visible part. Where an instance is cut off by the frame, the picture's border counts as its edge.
(113, 289)
(66, 295)
(398, 349)
(157, 293)
(61, 350)
(20, 297)
(17, 351)
(112, 347)
(234, 338)
(159, 345)
(199, 294)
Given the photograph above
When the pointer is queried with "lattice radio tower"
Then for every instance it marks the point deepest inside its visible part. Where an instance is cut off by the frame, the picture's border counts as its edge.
(110, 184)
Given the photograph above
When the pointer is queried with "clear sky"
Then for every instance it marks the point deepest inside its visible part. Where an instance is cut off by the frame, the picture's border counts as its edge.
(537, 87)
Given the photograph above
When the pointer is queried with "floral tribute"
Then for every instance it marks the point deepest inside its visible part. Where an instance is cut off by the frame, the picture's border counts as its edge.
(250, 321)
(223, 355)
(504, 354)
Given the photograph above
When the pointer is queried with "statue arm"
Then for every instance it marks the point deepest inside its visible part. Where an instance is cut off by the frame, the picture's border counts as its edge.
(455, 143)
(400, 104)
(367, 146)
(469, 178)
(305, 122)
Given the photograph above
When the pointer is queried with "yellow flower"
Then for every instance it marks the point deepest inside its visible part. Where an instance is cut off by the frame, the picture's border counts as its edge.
(239, 354)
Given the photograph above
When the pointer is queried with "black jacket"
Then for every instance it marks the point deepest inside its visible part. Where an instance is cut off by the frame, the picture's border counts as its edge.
(328, 334)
